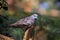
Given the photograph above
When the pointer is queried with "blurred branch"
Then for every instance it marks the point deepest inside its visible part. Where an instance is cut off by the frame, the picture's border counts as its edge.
(2, 37)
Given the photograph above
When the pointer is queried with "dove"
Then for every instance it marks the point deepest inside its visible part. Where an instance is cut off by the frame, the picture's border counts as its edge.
(26, 22)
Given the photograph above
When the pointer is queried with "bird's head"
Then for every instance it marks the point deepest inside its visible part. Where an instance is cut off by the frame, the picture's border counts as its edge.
(34, 16)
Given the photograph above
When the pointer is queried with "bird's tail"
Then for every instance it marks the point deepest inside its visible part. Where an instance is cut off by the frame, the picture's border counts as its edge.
(12, 25)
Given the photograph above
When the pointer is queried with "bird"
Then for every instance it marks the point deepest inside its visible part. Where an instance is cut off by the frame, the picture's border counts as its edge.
(26, 22)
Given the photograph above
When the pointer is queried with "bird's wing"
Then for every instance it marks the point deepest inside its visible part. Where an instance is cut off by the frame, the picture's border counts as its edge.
(20, 22)
(24, 21)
